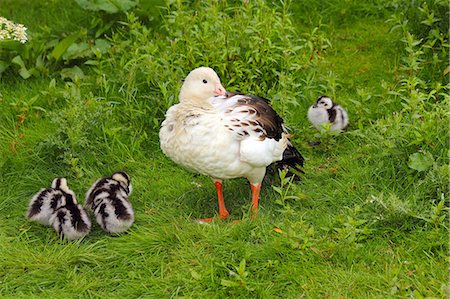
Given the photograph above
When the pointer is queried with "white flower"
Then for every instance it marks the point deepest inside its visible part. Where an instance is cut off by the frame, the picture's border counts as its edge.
(10, 30)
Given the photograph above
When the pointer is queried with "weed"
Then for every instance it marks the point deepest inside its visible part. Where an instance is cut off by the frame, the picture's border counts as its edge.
(283, 191)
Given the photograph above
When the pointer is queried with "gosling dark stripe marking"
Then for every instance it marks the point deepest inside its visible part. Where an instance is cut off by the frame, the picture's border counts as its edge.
(77, 220)
(332, 114)
(61, 220)
(36, 206)
(104, 214)
(119, 208)
(58, 183)
(56, 200)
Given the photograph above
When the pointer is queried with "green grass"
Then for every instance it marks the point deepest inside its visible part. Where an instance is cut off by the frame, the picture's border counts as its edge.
(368, 220)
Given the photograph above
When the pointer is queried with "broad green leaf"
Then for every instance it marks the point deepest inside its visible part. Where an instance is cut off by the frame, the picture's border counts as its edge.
(229, 283)
(72, 73)
(242, 266)
(195, 275)
(277, 189)
(91, 62)
(18, 61)
(77, 50)
(421, 161)
(102, 45)
(23, 72)
(63, 45)
(447, 70)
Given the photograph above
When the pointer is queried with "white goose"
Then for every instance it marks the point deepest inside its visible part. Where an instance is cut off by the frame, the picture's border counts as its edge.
(225, 135)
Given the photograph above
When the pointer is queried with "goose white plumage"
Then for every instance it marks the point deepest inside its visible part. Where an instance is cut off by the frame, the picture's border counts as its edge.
(224, 135)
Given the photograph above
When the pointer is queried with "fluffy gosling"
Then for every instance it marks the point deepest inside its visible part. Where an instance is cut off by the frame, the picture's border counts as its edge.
(108, 200)
(326, 113)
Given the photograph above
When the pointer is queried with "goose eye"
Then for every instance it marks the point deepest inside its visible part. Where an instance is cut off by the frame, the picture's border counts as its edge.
(204, 81)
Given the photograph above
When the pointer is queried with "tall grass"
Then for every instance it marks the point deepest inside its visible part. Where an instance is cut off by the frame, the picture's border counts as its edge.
(370, 218)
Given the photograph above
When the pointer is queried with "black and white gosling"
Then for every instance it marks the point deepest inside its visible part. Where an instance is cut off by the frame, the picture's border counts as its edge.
(48, 200)
(71, 221)
(325, 113)
(108, 200)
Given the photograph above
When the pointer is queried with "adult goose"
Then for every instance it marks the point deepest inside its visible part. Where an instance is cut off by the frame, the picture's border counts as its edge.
(225, 135)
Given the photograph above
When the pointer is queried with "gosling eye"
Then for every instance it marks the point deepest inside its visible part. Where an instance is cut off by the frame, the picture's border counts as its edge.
(204, 81)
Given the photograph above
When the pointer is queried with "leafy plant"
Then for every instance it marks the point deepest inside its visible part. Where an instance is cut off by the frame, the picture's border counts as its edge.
(108, 6)
(421, 161)
(351, 231)
(425, 30)
(297, 235)
(48, 54)
(239, 275)
(390, 210)
(76, 129)
(283, 191)
(404, 136)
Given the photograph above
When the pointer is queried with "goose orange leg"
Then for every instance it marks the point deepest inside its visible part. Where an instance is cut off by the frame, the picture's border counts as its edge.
(223, 213)
(256, 189)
